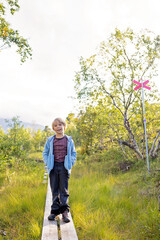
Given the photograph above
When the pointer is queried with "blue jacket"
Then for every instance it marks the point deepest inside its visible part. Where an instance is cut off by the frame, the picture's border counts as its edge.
(48, 156)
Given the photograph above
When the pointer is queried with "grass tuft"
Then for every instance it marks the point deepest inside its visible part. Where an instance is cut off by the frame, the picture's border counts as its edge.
(22, 202)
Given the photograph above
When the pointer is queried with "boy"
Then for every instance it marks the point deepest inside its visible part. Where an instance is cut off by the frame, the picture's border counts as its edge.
(59, 155)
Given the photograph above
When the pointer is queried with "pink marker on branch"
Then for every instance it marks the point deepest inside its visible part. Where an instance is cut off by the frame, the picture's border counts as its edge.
(140, 85)
(143, 85)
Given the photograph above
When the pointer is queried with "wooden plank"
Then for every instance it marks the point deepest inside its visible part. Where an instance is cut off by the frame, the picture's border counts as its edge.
(49, 231)
(68, 231)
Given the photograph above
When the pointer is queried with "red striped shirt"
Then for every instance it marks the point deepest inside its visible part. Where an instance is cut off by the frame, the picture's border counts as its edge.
(60, 149)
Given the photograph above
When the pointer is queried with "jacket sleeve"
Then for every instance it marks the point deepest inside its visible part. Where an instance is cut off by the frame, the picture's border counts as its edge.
(73, 153)
(46, 152)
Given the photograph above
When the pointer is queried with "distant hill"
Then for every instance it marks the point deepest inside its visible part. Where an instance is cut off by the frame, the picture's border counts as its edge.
(4, 125)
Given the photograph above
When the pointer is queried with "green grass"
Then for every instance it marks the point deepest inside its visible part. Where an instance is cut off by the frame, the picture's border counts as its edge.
(22, 200)
(108, 204)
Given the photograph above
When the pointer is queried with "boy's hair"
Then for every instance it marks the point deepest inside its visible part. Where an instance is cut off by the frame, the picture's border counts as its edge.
(59, 120)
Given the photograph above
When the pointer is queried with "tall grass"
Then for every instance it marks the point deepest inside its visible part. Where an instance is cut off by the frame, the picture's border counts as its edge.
(114, 206)
(22, 199)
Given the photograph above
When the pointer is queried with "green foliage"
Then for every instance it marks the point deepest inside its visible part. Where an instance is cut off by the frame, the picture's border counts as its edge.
(21, 191)
(104, 85)
(47, 132)
(120, 59)
(22, 197)
(35, 155)
(19, 142)
(97, 127)
(12, 5)
(9, 36)
(71, 130)
(37, 139)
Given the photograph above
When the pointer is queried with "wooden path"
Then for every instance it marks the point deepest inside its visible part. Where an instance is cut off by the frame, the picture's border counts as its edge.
(53, 230)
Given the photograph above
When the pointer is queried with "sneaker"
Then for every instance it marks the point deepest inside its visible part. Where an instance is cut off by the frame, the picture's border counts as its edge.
(52, 217)
(65, 217)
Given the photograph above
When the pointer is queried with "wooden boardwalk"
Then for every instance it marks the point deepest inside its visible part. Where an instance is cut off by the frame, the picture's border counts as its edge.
(53, 230)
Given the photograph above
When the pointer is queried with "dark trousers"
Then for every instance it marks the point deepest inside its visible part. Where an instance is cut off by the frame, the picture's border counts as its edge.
(59, 179)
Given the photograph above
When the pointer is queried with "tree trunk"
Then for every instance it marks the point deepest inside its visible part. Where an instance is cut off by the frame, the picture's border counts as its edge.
(134, 145)
(153, 152)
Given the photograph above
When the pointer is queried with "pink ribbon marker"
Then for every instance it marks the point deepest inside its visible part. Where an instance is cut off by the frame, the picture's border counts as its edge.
(140, 85)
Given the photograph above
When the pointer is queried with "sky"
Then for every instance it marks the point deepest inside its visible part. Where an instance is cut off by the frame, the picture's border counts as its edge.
(60, 32)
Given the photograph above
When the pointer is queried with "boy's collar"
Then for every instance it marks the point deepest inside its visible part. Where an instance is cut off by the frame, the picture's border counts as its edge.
(68, 137)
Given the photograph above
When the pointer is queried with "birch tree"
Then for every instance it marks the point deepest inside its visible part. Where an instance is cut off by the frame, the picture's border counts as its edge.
(110, 72)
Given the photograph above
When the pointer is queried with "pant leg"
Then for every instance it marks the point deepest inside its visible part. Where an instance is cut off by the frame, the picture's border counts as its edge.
(63, 188)
(54, 184)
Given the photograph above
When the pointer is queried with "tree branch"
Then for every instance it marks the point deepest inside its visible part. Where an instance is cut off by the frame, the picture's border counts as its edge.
(152, 151)
(119, 87)
(109, 94)
(153, 59)
(130, 146)
(129, 62)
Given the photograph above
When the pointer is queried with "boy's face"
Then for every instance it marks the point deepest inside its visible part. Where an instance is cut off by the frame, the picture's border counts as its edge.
(58, 127)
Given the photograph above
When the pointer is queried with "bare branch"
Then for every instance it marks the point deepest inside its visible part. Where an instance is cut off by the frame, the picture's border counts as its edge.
(125, 143)
(129, 62)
